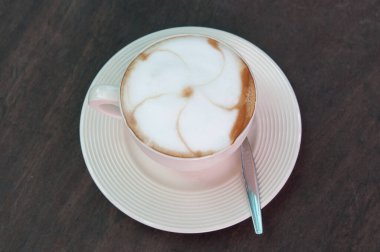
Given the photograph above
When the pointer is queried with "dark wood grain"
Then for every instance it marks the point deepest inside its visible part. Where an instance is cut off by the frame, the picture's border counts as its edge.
(51, 50)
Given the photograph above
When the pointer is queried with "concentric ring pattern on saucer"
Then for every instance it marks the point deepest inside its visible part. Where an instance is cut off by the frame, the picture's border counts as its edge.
(166, 199)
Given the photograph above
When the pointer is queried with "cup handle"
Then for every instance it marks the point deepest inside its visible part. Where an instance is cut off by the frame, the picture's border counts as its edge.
(105, 99)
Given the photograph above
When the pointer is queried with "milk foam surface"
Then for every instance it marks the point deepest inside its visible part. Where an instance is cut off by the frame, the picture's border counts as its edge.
(186, 95)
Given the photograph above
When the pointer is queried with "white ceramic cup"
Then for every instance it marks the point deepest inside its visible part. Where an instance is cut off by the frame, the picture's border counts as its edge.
(106, 99)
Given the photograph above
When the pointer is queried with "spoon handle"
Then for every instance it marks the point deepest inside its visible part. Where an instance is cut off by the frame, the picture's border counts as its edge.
(252, 187)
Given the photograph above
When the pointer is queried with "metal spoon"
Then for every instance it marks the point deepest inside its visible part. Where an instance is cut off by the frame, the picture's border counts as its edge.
(250, 178)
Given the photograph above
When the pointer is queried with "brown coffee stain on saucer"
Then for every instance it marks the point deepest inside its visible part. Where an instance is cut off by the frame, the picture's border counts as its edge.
(246, 104)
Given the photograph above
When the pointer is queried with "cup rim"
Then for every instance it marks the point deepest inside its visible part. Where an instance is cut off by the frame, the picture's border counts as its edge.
(187, 158)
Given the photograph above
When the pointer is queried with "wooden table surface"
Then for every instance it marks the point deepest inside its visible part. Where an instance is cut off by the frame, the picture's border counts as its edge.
(50, 51)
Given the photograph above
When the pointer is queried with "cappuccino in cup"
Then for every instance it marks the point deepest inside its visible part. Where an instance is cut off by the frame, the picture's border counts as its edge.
(188, 96)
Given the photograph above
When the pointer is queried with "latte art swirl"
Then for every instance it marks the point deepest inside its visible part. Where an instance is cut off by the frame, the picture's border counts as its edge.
(188, 96)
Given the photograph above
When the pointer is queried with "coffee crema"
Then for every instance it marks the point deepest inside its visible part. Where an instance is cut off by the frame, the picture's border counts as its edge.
(188, 96)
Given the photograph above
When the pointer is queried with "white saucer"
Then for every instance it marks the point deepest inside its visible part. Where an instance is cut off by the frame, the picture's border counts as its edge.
(193, 203)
